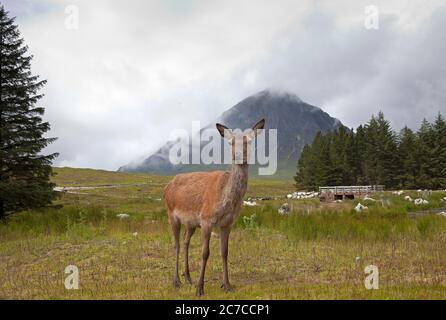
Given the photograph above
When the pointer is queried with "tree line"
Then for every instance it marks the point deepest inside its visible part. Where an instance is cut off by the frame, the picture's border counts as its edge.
(375, 154)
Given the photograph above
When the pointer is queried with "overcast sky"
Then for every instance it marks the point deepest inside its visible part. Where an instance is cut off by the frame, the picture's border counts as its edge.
(133, 70)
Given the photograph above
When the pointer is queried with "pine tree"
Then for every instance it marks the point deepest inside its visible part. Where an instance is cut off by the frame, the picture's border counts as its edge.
(313, 168)
(388, 158)
(439, 153)
(321, 161)
(371, 152)
(410, 162)
(337, 156)
(351, 159)
(303, 168)
(426, 139)
(24, 172)
(360, 165)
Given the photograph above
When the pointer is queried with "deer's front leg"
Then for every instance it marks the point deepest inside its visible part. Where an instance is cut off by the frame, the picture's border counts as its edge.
(189, 232)
(205, 237)
(224, 244)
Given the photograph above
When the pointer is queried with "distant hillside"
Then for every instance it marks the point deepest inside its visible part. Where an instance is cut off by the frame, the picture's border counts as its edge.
(296, 122)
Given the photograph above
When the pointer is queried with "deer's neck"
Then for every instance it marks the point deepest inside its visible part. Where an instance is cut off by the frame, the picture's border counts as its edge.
(237, 183)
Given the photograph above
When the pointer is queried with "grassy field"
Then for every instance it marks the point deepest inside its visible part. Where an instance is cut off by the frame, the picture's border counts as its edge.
(318, 251)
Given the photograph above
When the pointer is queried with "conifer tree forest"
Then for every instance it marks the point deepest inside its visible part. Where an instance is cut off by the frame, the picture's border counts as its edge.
(375, 154)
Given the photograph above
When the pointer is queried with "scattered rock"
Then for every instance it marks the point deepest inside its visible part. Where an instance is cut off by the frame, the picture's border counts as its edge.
(408, 198)
(398, 193)
(284, 209)
(303, 195)
(420, 201)
(250, 203)
(122, 216)
(359, 207)
(367, 198)
(442, 213)
(135, 234)
(262, 198)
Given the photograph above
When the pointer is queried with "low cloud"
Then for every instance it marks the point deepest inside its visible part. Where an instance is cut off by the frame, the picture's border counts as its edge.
(133, 71)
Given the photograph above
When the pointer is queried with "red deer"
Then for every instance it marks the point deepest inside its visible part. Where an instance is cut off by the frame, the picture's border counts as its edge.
(210, 200)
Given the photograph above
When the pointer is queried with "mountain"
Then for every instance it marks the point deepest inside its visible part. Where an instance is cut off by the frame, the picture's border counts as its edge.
(296, 122)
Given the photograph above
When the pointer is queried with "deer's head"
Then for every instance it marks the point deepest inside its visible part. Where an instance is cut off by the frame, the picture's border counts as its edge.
(240, 142)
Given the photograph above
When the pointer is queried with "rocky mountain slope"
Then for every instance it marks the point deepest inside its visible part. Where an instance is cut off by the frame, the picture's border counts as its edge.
(296, 122)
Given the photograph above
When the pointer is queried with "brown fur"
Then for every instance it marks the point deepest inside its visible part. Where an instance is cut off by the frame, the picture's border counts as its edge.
(208, 200)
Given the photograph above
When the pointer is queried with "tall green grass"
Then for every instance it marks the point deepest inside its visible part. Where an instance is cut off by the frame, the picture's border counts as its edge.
(375, 224)
(388, 218)
(75, 222)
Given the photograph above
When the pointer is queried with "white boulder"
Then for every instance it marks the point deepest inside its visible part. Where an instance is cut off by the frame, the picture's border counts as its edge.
(420, 201)
(250, 203)
(284, 209)
(359, 207)
(303, 195)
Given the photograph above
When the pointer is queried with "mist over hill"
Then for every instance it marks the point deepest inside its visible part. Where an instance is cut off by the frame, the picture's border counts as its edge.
(296, 121)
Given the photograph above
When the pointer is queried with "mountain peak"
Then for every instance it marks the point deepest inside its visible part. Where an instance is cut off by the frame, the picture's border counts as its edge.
(274, 105)
(296, 123)
(277, 93)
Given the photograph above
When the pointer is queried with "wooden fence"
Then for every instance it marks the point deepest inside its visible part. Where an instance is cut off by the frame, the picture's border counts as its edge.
(347, 192)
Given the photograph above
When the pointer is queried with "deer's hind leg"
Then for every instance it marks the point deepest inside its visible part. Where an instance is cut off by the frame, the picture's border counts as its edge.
(224, 239)
(188, 234)
(176, 227)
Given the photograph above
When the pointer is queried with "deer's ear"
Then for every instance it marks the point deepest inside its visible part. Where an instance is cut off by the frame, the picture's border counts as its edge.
(257, 127)
(224, 129)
